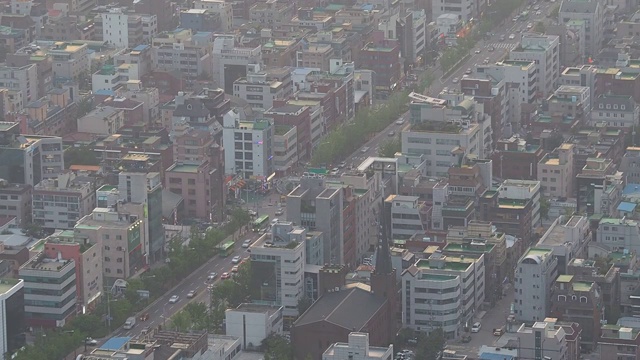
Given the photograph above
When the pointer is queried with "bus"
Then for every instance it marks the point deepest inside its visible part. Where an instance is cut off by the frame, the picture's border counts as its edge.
(260, 223)
(225, 249)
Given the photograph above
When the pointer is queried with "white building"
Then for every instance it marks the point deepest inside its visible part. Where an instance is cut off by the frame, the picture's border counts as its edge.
(357, 349)
(618, 111)
(69, 60)
(223, 8)
(23, 80)
(630, 165)
(278, 262)
(258, 91)
(74, 198)
(523, 190)
(593, 14)
(252, 323)
(618, 235)
(49, 280)
(408, 216)
(115, 28)
(568, 238)
(444, 131)
(463, 9)
(11, 311)
(250, 145)
(228, 57)
(535, 272)
(442, 291)
(551, 337)
(545, 51)
(521, 79)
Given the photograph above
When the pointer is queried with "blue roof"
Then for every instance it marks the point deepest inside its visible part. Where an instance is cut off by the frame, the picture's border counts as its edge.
(105, 92)
(631, 189)
(140, 47)
(115, 343)
(495, 356)
(626, 207)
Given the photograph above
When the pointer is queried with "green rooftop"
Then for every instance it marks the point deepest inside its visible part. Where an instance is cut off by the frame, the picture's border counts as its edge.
(512, 203)
(538, 252)
(282, 129)
(108, 188)
(564, 278)
(437, 277)
(583, 286)
(450, 263)
(479, 248)
(7, 284)
(184, 168)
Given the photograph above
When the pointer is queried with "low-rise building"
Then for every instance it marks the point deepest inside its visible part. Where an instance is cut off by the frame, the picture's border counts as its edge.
(16, 202)
(534, 275)
(12, 315)
(619, 342)
(59, 203)
(550, 337)
(357, 349)
(568, 238)
(253, 323)
(104, 120)
(195, 183)
(258, 91)
(619, 111)
(49, 280)
(408, 216)
(555, 172)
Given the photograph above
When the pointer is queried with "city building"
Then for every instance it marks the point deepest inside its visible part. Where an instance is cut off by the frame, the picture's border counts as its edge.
(629, 163)
(16, 202)
(69, 60)
(383, 57)
(535, 272)
(572, 102)
(172, 47)
(249, 145)
(408, 216)
(194, 182)
(514, 158)
(43, 62)
(223, 9)
(581, 302)
(544, 50)
(120, 232)
(88, 259)
(119, 28)
(258, 90)
(253, 323)
(568, 237)
(22, 83)
(618, 111)
(277, 265)
(618, 342)
(12, 320)
(319, 208)
(298, 116)
(592, 13)
(59, 202)
(103, 120)
(49, 281)
(592, 176)
(315, 56)
(444, 133)
(285, 149)
(463, 10)
(272, 12)
(200, 20)
(27, 159)
(443, 292)
(545, 339)
(555, 172)
(231, 62)
(357, 349)
(618, 234)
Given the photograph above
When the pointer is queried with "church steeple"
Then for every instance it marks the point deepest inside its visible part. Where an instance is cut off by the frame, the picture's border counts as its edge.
(383, 264)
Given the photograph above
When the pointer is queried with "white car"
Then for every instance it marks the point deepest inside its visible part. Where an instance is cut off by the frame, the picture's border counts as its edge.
(174, 299)
(246, 243)
(274, 221)
(191, 294)
(455, 80)
(212, 276)
(478, 51)
(476, 327)
(364, 149)
(399, 122)
(468, 71)
(90, 341)
(280, 212)
(512, 36)
(236, 260)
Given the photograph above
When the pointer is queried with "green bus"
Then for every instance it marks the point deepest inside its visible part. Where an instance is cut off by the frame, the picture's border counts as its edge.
(260, 223)
(225, 249)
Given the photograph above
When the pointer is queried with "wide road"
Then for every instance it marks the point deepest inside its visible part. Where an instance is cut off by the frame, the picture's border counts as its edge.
(479, 54)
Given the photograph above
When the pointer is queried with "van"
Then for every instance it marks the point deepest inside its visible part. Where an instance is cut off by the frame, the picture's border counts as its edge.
(130, 323)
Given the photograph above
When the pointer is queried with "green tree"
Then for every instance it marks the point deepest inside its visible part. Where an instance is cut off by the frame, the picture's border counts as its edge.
(80, 156)
(555, 12)
(539, 27)
(33, 230)
(431, 345)
(544, 208)
(390, 147)
(180, 321)
(198, 315)
(303, 304)
(276, 347)
(89, 324)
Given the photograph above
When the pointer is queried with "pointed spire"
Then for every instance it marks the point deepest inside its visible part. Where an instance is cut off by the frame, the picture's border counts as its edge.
(383, 253)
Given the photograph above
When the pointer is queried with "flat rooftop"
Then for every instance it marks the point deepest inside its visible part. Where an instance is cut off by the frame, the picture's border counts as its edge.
(184, 168)
(8, 284)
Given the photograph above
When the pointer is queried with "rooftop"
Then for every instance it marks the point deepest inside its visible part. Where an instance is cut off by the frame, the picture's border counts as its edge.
(8, 284)
(451, 263)
(184, 168)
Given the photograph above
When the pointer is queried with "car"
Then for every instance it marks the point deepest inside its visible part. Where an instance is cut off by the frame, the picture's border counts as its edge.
(334, 173)
(364, 149)
(144, 317)
(491, 48)
(252, 213)
(342, 164)
(486, 61)
(191, 294)
(498, 331)
(538, 13)
(234, 269)
(225, 276)
(515, 19)
(279, 212)
(502, 37)
(91, 341)
(512, 36)
(536, 8)
(455, 80)
(212, 276)
(274, 221)
(174, 299)
(468, 71)
(476, 327)
(391, 134)
(236, 260)
(478, 51)
(399, 122)
(335, 169)
(529, 26)
(246, 243)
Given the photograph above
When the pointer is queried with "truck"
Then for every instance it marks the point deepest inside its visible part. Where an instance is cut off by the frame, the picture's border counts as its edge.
(130, 323)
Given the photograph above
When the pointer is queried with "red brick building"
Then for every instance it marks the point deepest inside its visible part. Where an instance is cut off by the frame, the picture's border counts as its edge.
(383, 57)
(294, 115)
(481, 90)
(515, 159)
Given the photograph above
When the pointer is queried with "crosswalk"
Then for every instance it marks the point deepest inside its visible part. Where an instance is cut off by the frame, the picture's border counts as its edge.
(508, 46)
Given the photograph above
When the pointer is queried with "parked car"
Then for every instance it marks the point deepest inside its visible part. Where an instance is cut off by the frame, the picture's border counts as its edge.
(476, 327)
(234, 269)
(498, 331)
(174, 299)
(391, 134)
(364, 149)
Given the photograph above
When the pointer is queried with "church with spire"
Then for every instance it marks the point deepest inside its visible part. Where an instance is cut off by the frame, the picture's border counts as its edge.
(341, 309)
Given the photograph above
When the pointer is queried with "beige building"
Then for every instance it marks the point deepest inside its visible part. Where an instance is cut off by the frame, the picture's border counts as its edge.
(542, 332)
(150, 98)
(617, 342)
(69, 60)
(258, 91)
(272, 12)
(119, 233)
(315, 56)
(555, 172)
(59, 203)
(285, 148)
(22, 83)
(104, 120)
(15, 201)
(184, 51)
